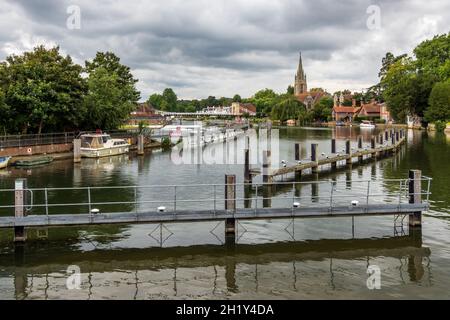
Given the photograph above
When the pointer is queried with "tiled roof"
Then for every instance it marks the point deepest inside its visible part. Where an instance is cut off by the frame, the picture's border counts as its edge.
(346, 109)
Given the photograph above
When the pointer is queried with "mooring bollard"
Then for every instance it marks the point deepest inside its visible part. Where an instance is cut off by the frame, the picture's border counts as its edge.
(76, 150)
(314, 157)
(140, 144)
(230, 205)
(333, 151)
(415, 196)
(267, 164)
(348, 151)
(20, 203)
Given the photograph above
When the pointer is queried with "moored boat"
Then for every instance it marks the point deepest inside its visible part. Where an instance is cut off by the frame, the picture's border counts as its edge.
(33, 161)
(4, 162)
(367, 124)
(98, 145)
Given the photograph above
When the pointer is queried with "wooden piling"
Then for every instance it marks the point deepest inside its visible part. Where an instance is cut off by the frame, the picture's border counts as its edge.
(348, 151)
(267, 164)
(20, 203)
(140, 143)
(297, 151)
(77, 150)
(360, 158)
(397, 136)
(373, 146)
(386, 135)
(247, 175)
(230, 205)
(415, 196)
(314, 157)
(333, 151)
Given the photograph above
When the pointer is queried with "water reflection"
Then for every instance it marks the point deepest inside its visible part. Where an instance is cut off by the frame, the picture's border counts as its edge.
(219, 271)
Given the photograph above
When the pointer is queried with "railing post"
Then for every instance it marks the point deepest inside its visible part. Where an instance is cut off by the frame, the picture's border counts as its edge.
(230, 205)
(20, 202)
(76, 150)
(314, 157)
(415, 196)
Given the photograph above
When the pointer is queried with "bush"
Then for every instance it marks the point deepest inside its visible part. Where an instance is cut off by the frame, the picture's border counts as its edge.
(165, 143)
(440, 126)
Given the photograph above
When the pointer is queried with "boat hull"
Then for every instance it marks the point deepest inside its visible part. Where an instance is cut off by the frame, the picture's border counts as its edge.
(104, 152)
(4, 162)
(33, 162)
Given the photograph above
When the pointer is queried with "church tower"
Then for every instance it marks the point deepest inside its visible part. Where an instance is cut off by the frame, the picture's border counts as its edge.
(300, 79)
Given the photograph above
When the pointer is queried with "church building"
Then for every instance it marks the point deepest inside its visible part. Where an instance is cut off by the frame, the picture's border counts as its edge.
(309, 99)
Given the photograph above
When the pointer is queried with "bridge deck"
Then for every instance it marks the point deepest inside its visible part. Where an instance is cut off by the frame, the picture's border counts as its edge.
(208, 215)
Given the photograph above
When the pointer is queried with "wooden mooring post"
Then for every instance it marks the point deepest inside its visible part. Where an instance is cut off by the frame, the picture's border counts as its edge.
(140, 144)
(298, 173)
(230, 205)
(333, 151)
(20, 203)
(247, 174)
(77, 150)
(360, 144)
(267, 164)
(314, 157)
(348, 151)
(415, 196)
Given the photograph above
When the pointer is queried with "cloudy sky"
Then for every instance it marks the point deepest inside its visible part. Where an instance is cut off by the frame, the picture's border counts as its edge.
(223, 47)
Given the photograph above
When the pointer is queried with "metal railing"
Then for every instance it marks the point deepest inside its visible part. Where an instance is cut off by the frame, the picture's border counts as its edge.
(176, 198)
(29, 140)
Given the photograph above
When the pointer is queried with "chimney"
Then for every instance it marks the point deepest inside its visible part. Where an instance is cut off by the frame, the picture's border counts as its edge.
(353, 103)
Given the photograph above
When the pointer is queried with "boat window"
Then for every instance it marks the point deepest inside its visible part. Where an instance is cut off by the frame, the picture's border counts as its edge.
(86, 142)
(105, 139)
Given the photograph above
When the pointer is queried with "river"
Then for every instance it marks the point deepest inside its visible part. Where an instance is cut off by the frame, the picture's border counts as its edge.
(273, 259)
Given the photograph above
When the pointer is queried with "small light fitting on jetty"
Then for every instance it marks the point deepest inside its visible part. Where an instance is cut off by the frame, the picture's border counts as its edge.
(283, 161)
(296, 204)
(323, 154)
(95, 211)
(355, 203)
(161, 209)
(284, 165)
(299, 161)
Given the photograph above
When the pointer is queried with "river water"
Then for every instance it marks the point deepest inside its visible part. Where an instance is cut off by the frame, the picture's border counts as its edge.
(272, 259)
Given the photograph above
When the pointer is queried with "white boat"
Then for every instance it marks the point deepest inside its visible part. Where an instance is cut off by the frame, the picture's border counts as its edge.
(367, 124)
(4, 162)
(98, 145)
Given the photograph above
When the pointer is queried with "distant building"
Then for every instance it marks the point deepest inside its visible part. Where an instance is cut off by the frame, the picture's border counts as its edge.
(144, 113)
(239, 108)
(344, 113)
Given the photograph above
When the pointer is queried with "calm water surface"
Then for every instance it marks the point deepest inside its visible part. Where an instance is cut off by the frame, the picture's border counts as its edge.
(309, 259)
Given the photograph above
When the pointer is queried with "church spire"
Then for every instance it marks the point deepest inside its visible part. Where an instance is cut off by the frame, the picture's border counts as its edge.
(300, 78)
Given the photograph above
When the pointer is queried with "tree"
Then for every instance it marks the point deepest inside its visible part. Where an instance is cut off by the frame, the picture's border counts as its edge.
(439, 109)
(43, 90)
(237, 98)
(112, 94)
(290, 90)
(111, 63)
(401, 88)
(288, 108)
(108, 102)
(155, 100)
(322, 109)
(170, 98)
(264, 100)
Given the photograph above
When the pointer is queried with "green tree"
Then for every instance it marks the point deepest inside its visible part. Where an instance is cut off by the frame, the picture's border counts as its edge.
(237, 98)
(155, 100)
(288, 108)
(322, 109)
(290, 90)
(43, 91)
(170, 98)
(264, 100)
(106, 101)
(439, 109)
(112, 93)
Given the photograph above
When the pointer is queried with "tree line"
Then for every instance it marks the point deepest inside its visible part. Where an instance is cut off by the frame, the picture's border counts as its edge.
(44, 91)
(418, 85)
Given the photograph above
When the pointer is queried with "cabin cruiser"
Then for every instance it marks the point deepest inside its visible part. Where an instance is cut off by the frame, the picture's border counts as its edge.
(96, 145)
(367, 124)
